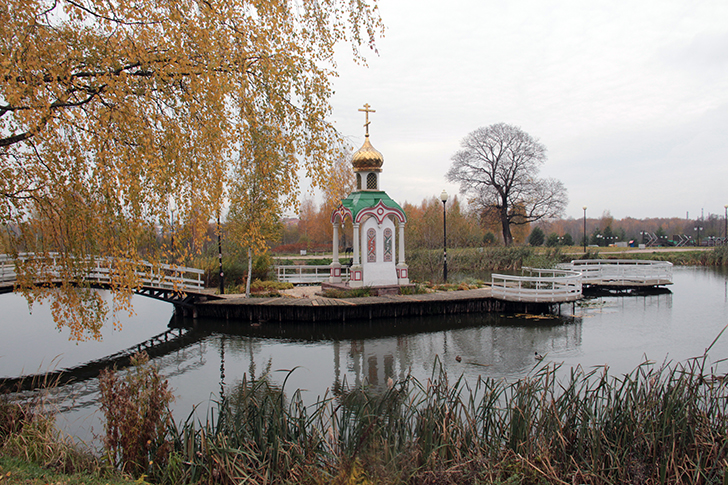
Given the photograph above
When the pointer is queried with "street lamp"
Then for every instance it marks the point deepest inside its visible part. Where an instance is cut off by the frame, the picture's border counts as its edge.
(584, 229)
(219, 255)
(725, 230)
(698, 229)
(443, 198)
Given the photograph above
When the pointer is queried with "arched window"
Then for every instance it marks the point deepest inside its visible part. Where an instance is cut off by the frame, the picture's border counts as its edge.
(372, 181)
(358, 181)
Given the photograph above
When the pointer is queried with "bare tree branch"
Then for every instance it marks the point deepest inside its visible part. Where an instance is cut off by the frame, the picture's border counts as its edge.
(497, 168)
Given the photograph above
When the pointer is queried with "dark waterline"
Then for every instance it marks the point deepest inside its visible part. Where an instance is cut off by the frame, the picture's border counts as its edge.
(619, 332)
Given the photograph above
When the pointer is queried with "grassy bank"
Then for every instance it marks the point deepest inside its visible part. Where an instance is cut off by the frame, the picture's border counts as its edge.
(717, 256)
(657, 424)
(17, 471)
(480, 263)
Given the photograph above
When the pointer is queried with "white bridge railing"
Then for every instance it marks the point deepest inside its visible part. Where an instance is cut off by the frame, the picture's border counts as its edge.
(307, 274)
(622, 272)
(102, 271)
(538, 285)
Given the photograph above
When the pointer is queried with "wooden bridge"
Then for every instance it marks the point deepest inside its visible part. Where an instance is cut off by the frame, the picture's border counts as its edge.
(621, 273)
(307, 274)
(538, 285)
(178, 285)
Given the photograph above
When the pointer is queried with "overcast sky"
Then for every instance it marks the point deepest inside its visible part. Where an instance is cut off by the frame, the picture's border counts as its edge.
(630, 98)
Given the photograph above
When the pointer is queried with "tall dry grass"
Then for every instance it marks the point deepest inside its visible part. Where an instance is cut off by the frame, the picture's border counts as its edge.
(657, 424)
(28, 432)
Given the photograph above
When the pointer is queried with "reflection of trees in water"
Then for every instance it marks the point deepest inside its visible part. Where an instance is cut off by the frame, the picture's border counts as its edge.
(486, 349)
(490, 350)
(250, 347)
(488, 345)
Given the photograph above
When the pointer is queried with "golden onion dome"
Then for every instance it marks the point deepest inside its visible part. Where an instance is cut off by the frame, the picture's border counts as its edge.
(367, 158)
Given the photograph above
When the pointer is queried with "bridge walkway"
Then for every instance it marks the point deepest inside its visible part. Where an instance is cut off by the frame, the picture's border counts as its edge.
(179, 285)
(622, 273)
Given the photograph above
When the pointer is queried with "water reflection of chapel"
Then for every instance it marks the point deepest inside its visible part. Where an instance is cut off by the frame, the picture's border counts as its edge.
(378, 225)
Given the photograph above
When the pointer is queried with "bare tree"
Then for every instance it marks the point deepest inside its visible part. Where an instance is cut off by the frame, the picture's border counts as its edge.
(497, 169)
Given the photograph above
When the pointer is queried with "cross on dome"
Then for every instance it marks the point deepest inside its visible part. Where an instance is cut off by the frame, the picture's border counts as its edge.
(366, 110)
(367, 158)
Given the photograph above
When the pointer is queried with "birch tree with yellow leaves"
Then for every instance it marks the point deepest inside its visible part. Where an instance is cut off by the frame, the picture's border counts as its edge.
(111, 111)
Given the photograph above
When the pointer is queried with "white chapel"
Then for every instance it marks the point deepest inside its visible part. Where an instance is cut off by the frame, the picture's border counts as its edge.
(378, 225)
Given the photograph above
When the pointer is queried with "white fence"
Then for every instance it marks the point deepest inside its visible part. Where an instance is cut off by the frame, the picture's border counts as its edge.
(103, 270)
(622, 272)
(308, 274)
(539, 285)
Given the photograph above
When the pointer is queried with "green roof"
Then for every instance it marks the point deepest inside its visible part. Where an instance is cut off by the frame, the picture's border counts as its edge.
(365, 199)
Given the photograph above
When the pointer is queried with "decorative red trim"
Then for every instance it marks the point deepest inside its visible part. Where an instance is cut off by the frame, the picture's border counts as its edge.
(380, 212)
(340, 212)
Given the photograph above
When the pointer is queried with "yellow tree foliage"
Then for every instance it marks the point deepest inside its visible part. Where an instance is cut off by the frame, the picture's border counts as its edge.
(307, 213)
(116, 113)
(341, 182)
(425, 225)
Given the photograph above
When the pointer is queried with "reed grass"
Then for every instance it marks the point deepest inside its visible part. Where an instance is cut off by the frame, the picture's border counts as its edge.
(657, 424)
(32, 444)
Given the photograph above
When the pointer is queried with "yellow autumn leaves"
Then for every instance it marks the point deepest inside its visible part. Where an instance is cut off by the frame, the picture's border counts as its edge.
(123, 120)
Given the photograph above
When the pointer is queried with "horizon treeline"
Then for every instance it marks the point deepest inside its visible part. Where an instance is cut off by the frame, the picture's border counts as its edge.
(466, 228)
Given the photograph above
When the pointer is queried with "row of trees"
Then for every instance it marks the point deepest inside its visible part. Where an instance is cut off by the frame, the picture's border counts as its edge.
(606, 230)
(467, 227)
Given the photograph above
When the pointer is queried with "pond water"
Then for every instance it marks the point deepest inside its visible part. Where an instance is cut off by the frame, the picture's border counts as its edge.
(617, 331)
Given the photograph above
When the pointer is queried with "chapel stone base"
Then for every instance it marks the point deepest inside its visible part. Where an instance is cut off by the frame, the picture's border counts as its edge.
(335, 272)
(403, 274)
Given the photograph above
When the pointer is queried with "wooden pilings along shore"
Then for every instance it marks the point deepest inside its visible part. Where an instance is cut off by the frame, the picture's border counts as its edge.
(320, 309)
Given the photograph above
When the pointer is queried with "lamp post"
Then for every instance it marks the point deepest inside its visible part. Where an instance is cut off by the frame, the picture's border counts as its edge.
(443, 198)
(698, 229)
(219, 255)
(584, 229)
(725, 230)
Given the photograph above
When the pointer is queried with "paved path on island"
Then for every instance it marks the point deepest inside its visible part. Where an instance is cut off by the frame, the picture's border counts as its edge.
(309, 296)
